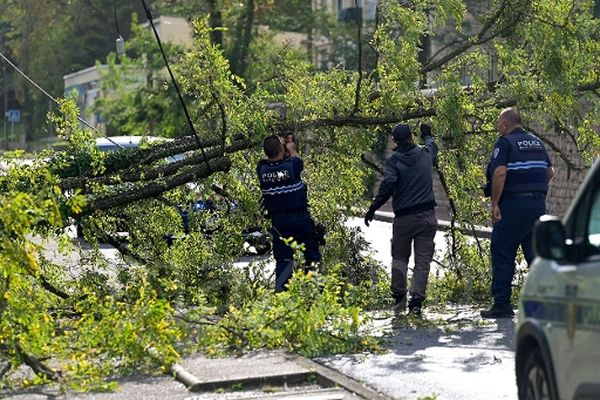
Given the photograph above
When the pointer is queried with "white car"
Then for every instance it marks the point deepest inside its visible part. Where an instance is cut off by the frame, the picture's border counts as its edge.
(558, 327)
(114, 143)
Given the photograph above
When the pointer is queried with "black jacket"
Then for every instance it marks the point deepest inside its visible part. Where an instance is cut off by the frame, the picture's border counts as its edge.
(408, 178)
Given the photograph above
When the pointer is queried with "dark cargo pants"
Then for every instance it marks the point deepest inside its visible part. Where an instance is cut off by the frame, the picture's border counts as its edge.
(418, 230)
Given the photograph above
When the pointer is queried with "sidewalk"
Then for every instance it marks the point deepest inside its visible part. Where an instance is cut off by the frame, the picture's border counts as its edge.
(452, 355)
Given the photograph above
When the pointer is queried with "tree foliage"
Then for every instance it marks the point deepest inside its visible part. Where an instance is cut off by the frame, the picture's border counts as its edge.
(149, 311)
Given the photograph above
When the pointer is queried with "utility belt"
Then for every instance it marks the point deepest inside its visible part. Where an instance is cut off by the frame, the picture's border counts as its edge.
(416, 209)
(535, 194)
(288, 213)
(319, 231)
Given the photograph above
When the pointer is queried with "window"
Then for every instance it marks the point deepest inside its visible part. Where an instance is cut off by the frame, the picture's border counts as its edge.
(583, 227)
(594, 223)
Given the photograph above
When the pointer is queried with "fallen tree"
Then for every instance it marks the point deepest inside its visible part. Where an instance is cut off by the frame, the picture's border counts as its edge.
(94, 323)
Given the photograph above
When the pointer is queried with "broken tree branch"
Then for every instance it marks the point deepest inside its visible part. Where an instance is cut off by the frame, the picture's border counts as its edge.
(37, 365)
(5, 370)
(53, 289)
(371, 164)
(473, 40)
(155, 188)
(453, 227)
(362, 120)
(134, 175)
(132, 158)
(570, 165)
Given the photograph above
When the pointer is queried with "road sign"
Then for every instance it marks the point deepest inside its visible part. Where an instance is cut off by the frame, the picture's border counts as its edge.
(13, 115)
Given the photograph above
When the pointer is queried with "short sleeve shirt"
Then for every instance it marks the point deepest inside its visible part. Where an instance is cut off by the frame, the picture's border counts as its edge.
(500, 154)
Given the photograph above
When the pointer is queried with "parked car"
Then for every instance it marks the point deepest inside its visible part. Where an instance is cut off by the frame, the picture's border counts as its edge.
(558, 327)
(114, 143)
(256, 241)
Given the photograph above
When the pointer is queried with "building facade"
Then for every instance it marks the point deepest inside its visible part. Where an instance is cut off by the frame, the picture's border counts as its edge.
(87, 83)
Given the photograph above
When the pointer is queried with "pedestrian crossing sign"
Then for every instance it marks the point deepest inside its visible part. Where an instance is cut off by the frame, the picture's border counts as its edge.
(13, 115)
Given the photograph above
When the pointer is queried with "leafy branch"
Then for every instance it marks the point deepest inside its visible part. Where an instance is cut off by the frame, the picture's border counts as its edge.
(489, 31)
(156, 188)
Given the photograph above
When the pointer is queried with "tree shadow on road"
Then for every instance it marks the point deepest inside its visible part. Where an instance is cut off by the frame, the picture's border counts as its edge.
(457, 337)
(130, 387)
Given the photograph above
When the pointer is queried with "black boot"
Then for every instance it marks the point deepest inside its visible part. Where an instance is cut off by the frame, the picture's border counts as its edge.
(414, 307)
(400, 303)
(498, 311)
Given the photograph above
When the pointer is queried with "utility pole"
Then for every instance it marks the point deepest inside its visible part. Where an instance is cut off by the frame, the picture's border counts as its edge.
(425, 52)
(5, 92)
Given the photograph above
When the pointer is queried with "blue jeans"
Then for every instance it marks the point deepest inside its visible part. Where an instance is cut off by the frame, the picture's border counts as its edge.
(301, 227)
(513, 230)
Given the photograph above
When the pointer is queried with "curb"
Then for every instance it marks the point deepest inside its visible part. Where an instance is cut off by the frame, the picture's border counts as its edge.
(443, 225)
(182, 375)
(331, 378)
(272, 380)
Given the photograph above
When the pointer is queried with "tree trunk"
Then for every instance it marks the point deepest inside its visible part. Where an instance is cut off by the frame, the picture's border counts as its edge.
(239, 57)
(29, 104)
(215, 21)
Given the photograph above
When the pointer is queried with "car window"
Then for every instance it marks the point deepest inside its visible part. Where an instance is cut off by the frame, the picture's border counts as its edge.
(594, 222)
(577, 224)
(583, 227)
(105, 149)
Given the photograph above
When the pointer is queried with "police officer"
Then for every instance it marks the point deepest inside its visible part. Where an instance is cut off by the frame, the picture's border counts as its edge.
(284, 197)
(408, 180)
(520, 171)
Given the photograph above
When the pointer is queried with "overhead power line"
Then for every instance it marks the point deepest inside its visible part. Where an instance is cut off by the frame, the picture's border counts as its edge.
(79, 118)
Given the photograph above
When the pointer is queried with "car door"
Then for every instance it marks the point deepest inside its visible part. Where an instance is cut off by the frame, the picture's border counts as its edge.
(578, 347)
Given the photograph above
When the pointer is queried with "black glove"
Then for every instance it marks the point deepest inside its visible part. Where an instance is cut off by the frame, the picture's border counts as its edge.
(425, 131)
(369, 216)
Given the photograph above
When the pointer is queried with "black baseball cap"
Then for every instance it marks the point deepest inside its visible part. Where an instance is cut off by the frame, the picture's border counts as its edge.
(401, 132)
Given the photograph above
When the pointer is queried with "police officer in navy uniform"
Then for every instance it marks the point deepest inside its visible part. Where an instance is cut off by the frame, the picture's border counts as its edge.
(520, 172)
(284, 197)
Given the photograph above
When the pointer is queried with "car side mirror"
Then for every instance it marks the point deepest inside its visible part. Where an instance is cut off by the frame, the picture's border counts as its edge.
(549, 238)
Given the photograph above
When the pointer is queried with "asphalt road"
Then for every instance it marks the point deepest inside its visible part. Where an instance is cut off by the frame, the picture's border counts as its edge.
(379, 235)
(454, 356)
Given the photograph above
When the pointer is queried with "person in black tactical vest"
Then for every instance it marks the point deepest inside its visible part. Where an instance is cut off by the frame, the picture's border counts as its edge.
(520, 171)
(284, 197)
(408, 180)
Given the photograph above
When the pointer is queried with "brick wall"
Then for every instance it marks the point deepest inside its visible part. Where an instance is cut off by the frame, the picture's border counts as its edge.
(566, 181)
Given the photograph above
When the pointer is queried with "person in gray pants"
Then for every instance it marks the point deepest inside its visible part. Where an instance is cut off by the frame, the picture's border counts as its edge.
(408, 180)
